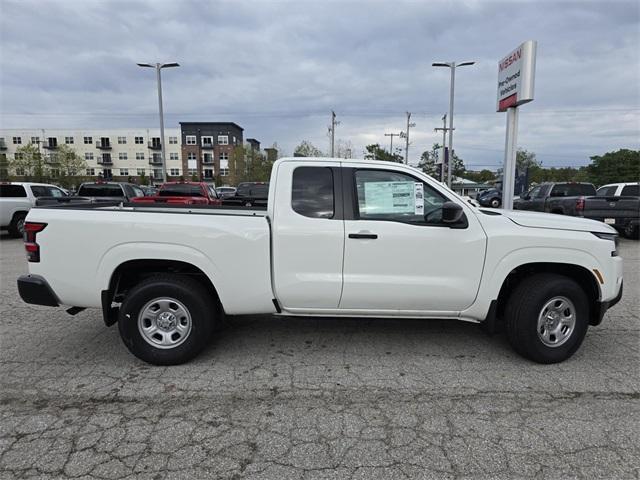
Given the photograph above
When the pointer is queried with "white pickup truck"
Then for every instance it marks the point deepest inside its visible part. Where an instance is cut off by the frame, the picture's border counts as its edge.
(338, 238)
(17, 198)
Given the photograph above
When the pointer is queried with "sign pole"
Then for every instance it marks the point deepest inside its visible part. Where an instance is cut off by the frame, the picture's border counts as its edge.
(510, 148)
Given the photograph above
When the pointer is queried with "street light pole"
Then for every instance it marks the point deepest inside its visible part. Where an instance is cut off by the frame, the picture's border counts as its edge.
(391, 135)
(158, 67)
(452, 66)
(406, 135)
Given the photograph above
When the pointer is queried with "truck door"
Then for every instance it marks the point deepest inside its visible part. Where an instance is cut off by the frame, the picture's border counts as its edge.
(399, 256)
(308, 235)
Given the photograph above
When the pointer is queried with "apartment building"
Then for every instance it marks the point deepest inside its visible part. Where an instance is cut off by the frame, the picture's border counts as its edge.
(207, 146)
(195, 150)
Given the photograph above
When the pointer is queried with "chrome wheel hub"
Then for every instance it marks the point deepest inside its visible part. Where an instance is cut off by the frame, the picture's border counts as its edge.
(556, 321)
(164, 322)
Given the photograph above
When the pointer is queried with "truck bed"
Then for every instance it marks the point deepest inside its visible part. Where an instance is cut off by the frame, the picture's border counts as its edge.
(91, 241)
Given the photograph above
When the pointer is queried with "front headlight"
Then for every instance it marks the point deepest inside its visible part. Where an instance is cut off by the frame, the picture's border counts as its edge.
(613, 237)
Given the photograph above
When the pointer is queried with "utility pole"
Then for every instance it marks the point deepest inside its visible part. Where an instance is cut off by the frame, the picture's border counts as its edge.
(332, 131)
(444, 149)
(391, 135)
(406, 137)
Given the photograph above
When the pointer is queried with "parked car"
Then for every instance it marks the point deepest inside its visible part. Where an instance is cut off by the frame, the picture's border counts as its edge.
(617, 204)
(225, 192)
(338, 238)
(97, 192)
(149, 191)
(490, 198)
(17, 198)
(249, 194)
(563, 198)
(186, 193)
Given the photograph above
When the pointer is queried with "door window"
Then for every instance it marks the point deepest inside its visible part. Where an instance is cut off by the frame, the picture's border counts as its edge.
(607, 191)
(389, 195)
(630, 191)
(312, 193)
(45, 191)
(535, 192)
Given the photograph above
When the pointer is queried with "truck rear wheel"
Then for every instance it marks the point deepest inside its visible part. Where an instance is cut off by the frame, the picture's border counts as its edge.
(547, 317)
(167, 319)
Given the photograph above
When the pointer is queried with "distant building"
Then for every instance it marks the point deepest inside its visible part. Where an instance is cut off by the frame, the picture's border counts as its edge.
(271, 153)
(207, 147)
(463, 186)
(196, 149)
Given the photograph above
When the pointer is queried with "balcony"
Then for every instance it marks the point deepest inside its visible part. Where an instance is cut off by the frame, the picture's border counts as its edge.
(50, 145)
(105, 159)
(103, 145)
(155, 160)
(3, 146)
(207, 146)
(155, 145)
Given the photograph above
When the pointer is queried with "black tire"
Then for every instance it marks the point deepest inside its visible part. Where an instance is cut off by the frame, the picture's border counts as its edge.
(524, 307)
(197, 301)
(16, 227)
(632, 231)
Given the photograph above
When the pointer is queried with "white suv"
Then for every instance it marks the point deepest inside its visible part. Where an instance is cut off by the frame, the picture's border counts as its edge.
(17, 198)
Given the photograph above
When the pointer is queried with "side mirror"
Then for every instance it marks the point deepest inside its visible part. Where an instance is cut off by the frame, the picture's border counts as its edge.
(451, 212)
(526, 196)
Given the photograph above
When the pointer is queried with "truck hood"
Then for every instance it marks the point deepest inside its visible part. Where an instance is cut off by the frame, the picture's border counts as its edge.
(556, 222)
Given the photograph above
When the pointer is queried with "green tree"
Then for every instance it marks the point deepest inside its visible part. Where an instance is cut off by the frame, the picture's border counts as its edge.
(5, 168)
(30, 162)
(307, 149)
(620, 166)
(238, 165)
(375, 152)
(482, 176)
(69, 165)
(428, 163)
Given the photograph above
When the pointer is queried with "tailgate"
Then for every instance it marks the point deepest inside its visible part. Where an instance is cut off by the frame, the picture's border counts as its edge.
(612, 207)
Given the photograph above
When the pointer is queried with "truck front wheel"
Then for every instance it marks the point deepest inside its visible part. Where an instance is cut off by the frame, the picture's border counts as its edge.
(167, 319)
(547, 316)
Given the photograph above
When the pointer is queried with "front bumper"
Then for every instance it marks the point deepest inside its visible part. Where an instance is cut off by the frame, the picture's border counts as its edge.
(604, 306)
(34, 289)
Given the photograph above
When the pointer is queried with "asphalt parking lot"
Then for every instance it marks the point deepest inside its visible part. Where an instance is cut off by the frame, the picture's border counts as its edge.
(291, 398)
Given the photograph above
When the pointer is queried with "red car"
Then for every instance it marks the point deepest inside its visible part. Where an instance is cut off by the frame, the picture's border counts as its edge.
(184, 193)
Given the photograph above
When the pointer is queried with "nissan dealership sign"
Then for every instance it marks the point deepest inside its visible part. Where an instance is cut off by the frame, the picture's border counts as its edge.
(516, 74)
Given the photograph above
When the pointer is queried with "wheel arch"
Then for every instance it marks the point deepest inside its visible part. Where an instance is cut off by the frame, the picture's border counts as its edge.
(129, 273)
(583, 276)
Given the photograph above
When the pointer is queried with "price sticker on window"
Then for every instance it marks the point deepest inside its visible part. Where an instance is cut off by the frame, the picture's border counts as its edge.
(418, 195)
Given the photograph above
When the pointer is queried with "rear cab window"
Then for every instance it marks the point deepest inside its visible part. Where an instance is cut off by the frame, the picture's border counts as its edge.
(100, 190)
(313, 192)
(15, 191)
(607, 191)
(181, 190)
(630, 191)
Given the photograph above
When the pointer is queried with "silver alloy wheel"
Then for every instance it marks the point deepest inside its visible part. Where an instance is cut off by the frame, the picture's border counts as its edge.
(20, 225)
(495, 203)
(164, 322)
(556, 321)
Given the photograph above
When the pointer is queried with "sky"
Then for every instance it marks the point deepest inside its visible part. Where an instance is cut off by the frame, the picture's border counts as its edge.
(278, 68)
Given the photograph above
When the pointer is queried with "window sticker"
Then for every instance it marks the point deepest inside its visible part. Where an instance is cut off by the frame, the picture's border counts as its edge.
(389, 197)
(418, 198)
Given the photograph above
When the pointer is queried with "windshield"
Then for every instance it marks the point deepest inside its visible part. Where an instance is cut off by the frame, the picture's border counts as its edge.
(180, 190)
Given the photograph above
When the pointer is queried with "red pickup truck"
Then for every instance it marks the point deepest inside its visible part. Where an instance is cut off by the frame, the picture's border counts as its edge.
(184, 193)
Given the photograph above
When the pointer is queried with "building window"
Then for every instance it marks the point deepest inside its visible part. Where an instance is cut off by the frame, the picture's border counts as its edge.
(35, 139)
(140, 172)
(124, 172)
(157, 174)
(122, 156)
(174, 172)
(17, 140)
(191, 139)
(91, 172)
(207, 158)
(224, 155)
(224, 172)
(207, 141)
(88, 156)
(223, 139)
(20, 171)
(18, 156)
(192, 156)
(173, 140)
(139, 140)
(122, 140)
(208, 173)
(88, 140)
(193, 172)
(139, 156)
(174, 156)
(68, 140)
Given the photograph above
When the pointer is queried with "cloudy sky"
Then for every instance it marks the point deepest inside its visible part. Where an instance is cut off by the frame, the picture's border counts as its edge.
(278, 68)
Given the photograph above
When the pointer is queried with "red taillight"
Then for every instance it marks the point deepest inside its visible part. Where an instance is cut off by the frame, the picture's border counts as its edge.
(30, 245)
(580, 204)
